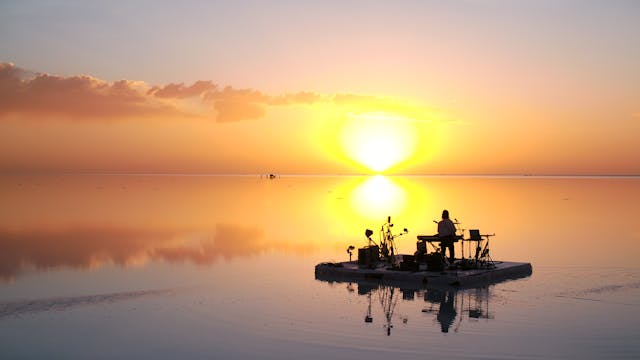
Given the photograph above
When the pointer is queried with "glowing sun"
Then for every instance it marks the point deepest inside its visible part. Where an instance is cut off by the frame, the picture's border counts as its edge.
(378, 140)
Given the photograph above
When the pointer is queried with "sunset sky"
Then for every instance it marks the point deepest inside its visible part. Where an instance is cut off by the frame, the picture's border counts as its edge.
(326, 87)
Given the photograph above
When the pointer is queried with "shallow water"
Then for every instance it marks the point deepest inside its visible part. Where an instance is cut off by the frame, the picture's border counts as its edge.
(124, 266)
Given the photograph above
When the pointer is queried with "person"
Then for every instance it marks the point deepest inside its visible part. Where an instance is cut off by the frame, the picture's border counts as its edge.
(447, 235)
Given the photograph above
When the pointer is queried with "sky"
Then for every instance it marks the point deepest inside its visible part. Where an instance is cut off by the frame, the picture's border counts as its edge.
(326, 87)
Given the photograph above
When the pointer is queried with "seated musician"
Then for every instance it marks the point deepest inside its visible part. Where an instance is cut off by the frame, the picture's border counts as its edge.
(447, 235)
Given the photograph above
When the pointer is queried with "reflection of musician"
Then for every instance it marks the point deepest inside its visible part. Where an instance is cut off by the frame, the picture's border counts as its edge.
(447, 312)
(447, 235)
(446, 298)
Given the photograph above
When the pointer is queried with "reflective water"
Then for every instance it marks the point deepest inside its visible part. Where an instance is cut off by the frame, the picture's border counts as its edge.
(123, 266)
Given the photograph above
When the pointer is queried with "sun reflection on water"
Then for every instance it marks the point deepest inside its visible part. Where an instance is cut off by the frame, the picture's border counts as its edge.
(378, 197)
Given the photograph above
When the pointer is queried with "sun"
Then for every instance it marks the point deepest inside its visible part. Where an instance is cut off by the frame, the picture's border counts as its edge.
(378, 140)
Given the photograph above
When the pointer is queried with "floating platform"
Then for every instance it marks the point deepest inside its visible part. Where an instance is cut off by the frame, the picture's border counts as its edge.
(383, 273)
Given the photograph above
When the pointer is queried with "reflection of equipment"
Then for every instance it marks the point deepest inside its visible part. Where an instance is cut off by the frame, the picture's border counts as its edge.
(368, 318)
(388, 298)
(385, 249)
(449, 304)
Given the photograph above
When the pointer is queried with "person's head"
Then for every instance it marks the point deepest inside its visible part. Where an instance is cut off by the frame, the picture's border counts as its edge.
(445, 214)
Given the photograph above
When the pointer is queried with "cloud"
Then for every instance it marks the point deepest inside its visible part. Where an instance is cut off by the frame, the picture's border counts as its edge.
(303, 97)
(180, 91)
(235, 105)
(86, 97)
(75, 96)
(236, 110)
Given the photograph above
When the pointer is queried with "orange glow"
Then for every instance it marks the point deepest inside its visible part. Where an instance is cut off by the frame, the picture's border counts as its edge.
(131, 220)
(54, 123)
(378, 197)
(378, 140)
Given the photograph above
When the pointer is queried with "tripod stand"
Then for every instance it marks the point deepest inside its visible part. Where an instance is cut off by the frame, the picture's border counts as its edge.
(387, 242)
(483, 258)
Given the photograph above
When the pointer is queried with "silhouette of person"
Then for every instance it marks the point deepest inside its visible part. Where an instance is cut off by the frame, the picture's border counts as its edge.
(447, 235)
(446, 299)
(447, 312)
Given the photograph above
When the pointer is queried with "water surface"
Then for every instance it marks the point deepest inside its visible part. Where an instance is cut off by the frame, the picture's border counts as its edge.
(124, 266)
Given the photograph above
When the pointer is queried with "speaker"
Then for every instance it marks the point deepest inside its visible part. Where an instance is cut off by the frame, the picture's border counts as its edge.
(368, 255)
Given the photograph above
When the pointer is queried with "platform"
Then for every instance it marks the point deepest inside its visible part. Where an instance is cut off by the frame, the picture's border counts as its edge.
(351, 271)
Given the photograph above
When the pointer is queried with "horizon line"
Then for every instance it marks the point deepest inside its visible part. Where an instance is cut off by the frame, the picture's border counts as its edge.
(267, 174)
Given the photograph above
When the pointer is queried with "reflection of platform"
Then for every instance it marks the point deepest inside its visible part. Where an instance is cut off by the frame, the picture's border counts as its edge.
(445, 304)
(350, 271)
